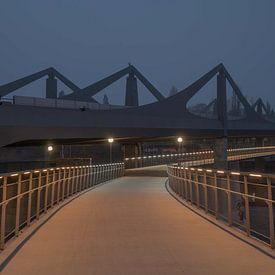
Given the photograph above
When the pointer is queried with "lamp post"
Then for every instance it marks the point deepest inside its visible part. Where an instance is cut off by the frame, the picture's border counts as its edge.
(179, 140)
(110, 140)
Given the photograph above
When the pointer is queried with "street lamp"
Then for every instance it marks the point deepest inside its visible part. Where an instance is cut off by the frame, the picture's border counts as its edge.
(110, 140)
(179, 140)
(50, 148)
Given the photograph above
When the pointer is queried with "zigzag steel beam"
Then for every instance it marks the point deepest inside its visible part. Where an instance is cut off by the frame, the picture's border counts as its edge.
(93, 89)
(236, 89)
(192, 89)
(17, 84)
(147, 84)
(263, 106)
(66, 81)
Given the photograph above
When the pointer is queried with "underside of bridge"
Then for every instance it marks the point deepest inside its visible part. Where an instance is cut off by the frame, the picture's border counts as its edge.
(21, 124)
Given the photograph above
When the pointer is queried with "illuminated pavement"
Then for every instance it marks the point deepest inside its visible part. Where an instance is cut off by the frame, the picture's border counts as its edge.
(132, 225)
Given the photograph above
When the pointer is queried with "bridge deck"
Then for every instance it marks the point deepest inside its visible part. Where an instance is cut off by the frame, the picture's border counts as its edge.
(133, 226)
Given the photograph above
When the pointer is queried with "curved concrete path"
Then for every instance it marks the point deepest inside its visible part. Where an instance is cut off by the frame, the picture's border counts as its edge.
(133, 226)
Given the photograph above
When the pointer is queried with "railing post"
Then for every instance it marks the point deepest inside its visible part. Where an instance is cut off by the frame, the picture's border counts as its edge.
(69, 182)
(216, 196)
(185, 184)
(53, 189)
(29, 200)
(46, 192)
(73, 180)
(229, 200)
(246, 202)
(3, 213)
(197, 189)
(18, 199)
(38, 195)
(190, 187)
(270, 214)
(205, 192)
(58, 185)
(63, 183)
(181, 182)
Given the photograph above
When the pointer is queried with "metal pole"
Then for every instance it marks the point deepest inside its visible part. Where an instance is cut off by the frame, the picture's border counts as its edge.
(270, 215)
(246, 201)
(17, 213)
(3, 213)
(29, 201)
(229, 201)
(38, 195)
(216, 196)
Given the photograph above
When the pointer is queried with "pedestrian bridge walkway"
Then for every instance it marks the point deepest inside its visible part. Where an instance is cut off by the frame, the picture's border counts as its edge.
(132, 225)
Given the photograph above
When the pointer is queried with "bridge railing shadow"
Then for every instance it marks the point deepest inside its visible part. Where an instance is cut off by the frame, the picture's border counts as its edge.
(27, 195)
(242, 200)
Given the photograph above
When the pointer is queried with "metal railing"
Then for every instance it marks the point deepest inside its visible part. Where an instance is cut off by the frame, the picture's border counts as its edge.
(243, 200)
(25, 196)
(233, 154)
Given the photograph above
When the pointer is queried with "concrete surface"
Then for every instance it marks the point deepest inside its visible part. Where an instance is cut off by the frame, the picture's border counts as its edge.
(133, 226)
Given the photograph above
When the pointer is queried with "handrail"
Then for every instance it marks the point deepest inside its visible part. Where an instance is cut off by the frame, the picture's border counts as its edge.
(222, 189)
(28, 194)
(233, 154)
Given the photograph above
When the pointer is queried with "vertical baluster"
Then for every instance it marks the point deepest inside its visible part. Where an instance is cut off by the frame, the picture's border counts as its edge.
(38, 195)
(18, 204)
(3, 213)
(216, 196)
(30, 200)
(69, 182)
(270, 214)
(190, 187)
(53, 189)
(197, 189)
(229, 200)
(59, 185)
(246, 203)
(205, 192)
(46, 192)
(63, 183)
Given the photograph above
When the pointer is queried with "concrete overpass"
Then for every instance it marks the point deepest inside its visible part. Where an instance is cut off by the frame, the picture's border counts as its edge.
(22, 124)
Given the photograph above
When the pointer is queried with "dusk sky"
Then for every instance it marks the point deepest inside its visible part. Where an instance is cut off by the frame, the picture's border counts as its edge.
(171, 42)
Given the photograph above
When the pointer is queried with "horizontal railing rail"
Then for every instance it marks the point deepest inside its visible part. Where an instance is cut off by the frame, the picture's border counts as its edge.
(244, 200)
(233, 154)
(27, 195)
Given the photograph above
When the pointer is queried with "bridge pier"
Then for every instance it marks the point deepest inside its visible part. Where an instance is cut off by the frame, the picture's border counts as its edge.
(130, 151)
(220, 153)
(51, 87)
(131, 96)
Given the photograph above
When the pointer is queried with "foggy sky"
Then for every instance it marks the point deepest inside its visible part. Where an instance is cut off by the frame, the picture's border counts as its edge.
(171, 42)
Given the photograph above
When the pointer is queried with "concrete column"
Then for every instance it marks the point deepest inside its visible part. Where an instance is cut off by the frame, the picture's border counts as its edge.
(131, 96)
(51, 87)
(220, 153)
(221, 101)
(132, 150)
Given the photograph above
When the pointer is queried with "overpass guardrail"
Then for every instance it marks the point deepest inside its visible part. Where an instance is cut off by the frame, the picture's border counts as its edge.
(233, 154)
(27, 195)
(242, 200)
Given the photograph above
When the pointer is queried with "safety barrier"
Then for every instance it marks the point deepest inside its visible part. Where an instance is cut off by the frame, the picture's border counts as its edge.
(242, 200)
(233, 154)
(25, 196)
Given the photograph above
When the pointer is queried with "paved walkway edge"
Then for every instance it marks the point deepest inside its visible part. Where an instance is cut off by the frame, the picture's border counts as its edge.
(15, 244)
(258, 245)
